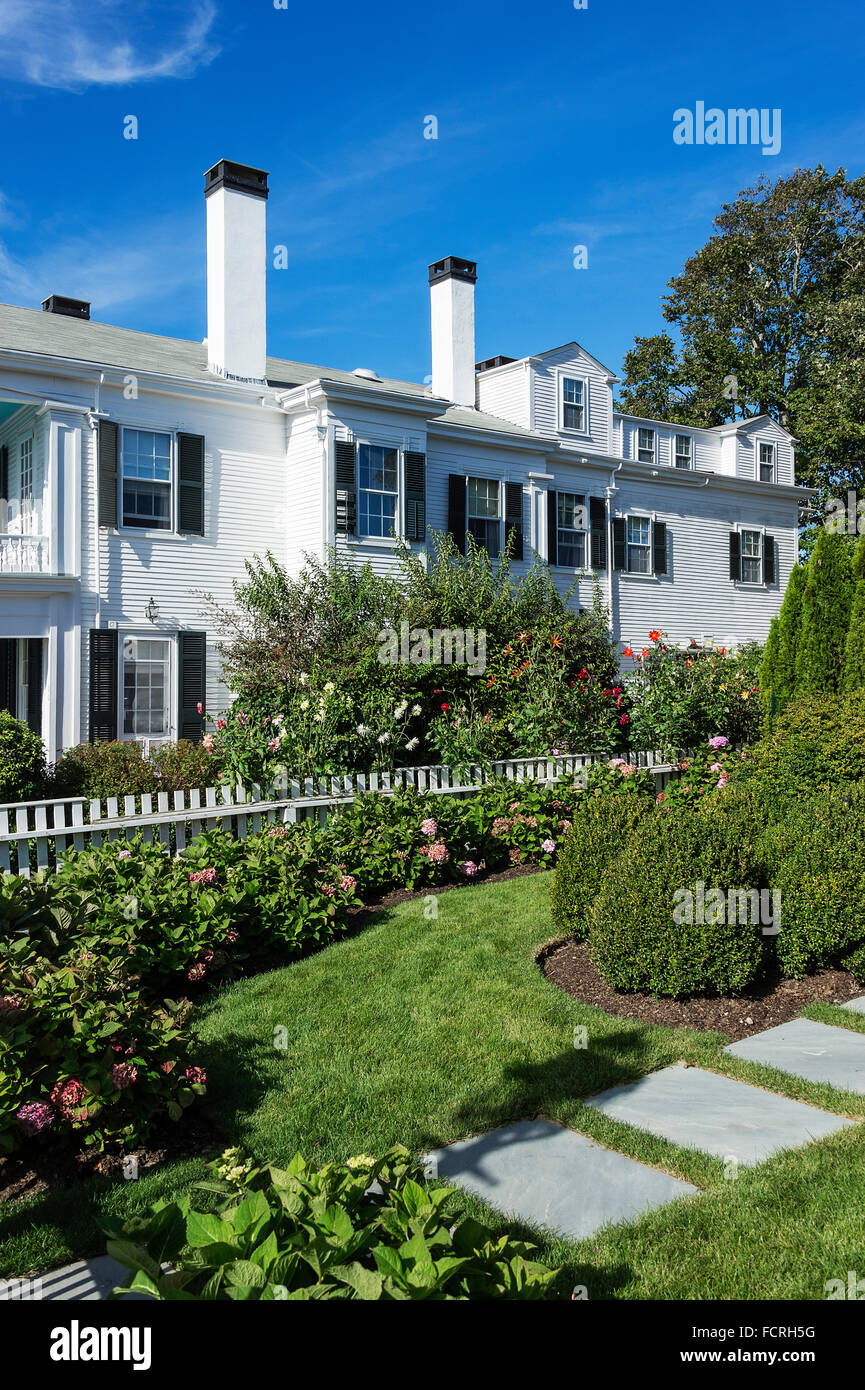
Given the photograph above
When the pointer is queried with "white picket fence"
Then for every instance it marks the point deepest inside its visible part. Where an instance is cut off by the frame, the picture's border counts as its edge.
(40, 831)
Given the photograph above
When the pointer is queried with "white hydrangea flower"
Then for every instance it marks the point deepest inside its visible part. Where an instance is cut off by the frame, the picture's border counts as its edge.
(416, 710)
(304, 704)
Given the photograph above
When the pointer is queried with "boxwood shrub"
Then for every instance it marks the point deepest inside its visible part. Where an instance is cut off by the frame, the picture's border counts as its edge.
(600, 830)
(816, 742)
(635, 940)
(816, 861)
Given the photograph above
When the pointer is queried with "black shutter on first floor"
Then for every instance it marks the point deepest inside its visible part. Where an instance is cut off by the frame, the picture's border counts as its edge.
(191, 685)
(598, 532)
(34, 684)
(735, 556)
(768, 560)
(103, 685)
(659, 547)
(9, 674)
(415, 496)
(190, 484)
(107, 446)
(552, 527)
(620, 547)
(514, 519)
(345, 454)
(457, 510)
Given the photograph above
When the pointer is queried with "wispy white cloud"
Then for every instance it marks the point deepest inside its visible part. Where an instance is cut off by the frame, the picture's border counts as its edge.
(69, 45)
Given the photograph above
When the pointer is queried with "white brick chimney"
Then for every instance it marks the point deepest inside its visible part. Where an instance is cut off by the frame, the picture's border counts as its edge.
(452, 316)
(236, 197)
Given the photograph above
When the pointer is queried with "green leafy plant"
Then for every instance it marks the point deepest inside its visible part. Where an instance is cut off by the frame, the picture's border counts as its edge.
(22, 760)
(366, 1229)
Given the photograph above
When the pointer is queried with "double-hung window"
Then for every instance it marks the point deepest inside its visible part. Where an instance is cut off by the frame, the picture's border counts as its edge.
(146, 685)
(767, 463)
(378, 481)
(646, 446)
(684, 451)
(571, 530)
(752, 557)
(573, 404)
(146, 473)
(639, 545)
(483, 514)
(25, 459)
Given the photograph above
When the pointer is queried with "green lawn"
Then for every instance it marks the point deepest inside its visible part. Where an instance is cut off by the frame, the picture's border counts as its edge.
(425, 1031)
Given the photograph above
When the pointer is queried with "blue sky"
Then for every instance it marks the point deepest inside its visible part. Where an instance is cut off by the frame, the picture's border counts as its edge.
(554, 129)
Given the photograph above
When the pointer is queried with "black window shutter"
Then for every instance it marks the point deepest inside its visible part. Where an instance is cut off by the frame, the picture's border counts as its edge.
(9, 674)
(735, 557)
(659, 547)
(346, 488)
(768, 560)
(4, 480)
(107, 445)
(415, 496)
(598, 532)
(620, 547)
(103, 685)
(457, 510)
(190, 483)
(192, 684)
(34, 684)
(552, 527)
(514, 518)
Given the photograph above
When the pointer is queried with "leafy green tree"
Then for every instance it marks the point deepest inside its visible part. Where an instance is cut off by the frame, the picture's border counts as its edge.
(826, 603)
(770, 315)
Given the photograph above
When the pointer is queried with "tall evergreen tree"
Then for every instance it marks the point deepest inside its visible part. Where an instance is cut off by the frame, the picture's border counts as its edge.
(854, 656)
(769, 667)
(789, 631)
(858, 564)
(826, 604)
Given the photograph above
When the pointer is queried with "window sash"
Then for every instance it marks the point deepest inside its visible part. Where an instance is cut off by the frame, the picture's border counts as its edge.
(646, 446)
(378, 488)
(639, 546)
(767, 463)
(573, 404)
(571, 530)
(483, 513)
(146, 472)
(146, 677)
(25, 478)
(752, 557)
(683, 451)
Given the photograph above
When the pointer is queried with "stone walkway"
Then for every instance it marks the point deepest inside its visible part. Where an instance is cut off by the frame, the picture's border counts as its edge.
(549, 1176)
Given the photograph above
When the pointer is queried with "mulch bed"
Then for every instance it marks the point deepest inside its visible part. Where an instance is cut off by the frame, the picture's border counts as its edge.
(31, 1173)
(566, 963)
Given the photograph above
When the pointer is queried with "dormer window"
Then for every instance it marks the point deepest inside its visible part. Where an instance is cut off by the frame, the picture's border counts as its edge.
(646, 446)
(767, 462)
(683, 455)
(573, 404)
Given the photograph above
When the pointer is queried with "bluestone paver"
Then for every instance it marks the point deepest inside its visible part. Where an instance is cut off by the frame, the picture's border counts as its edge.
(546, 1175)
(730, 1119)
(857, 1005)
(815, 1051)
(82, 1282)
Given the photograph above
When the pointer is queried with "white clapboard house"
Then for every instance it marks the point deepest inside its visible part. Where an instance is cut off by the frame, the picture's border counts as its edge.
(137, 471)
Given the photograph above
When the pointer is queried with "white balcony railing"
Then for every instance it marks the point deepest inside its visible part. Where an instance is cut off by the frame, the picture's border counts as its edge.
(23, 554)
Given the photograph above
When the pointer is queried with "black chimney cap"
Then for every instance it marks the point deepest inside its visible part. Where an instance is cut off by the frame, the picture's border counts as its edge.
(453, 268)
(242, 177)
(72, 308)
(490, 362)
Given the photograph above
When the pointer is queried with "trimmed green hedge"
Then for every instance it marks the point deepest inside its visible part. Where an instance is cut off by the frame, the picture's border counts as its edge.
(601, 829)
(816, 742)
(640, 937)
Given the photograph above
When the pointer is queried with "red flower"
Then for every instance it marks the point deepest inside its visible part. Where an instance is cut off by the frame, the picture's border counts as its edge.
(627, 651)
(655, 635)
(624, 719)
(582, 675)
(445, 707)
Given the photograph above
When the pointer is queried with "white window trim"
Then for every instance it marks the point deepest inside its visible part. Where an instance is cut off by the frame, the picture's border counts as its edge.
(584, 531)
(637, 575)
(382, 542)
(148, 532)
(500, 484)
(674, 452)
(741, 583)
(27, 439)
(149, 634)
(774, 447)
(562, 375)
(637, 446)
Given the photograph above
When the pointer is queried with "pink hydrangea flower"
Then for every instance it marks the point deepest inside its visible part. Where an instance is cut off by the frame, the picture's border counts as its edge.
(196, 1075)
(9, 1003)
(429, 827)
(719, 741)
(273, 744)
(328, 890)
(124, 854)
(196, 971)
(347, 883)
(548, 846)
(36, 1116)
(716, 767)
(69, 1096)
(469, 869)
(723, 780)
(123, 1074)
(231, 935)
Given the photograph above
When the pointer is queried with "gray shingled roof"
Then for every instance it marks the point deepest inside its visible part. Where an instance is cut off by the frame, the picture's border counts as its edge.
(100, 344)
